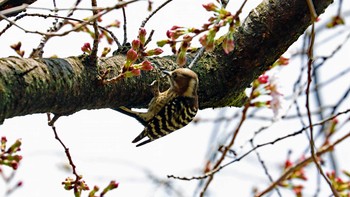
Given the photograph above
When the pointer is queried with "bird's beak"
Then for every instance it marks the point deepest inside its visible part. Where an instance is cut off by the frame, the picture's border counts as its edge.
(167, 72)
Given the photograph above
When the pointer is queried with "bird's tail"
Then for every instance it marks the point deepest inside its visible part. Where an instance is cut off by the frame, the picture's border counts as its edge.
(139, 116)
(142, 135)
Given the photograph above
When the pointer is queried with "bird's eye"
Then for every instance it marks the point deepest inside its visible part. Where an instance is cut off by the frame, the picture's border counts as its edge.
(174, 75)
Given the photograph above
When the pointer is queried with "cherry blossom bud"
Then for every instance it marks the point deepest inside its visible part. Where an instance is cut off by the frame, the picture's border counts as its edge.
(142, 35)
(228, 44)
(210, 7)
(169, 34)
(20, 183)
(17, 158)
(109, 39)
(16, 46)
(263, 79)
(161, 43)
(15, 147)
(136, 72)
(156, 51)
(181, 58)
(297, 189)
(135, 44)
(194, 30)
(115, 23)
(210, 38)
(86, 48)
(105, 51)
(113, 184)
(146, 65)
(175, 27)
(203, 40)
(336, 20)
(149, 7)
(131, 55)
(288, 164)
(283, 61)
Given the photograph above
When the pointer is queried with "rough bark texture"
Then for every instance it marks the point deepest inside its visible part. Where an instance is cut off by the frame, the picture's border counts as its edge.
(7, 4)
(65, 86)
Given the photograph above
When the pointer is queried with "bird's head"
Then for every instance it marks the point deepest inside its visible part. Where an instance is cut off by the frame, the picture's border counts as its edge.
(183, 81)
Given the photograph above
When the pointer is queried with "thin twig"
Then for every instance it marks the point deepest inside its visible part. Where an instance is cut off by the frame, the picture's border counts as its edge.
(301, 164)
(149, 39)
(66, 150)
(38, 51)
(335, 51)
(265, 168)
(153, 13)
(309, 79)
(107, 10)
(228, 147)
(312, 10)
(62, 17)
(124, 27)
(93, 56)
(213, 171)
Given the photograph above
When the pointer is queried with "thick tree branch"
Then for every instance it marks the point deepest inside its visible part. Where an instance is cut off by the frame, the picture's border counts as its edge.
(65, 86)
(8, 4)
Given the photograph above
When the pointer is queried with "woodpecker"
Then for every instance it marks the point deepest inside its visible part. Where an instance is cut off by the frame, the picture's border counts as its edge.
(169, 110)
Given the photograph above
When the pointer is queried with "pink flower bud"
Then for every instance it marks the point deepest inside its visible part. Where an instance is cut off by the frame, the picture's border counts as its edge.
(156, 51)
(136, 72)
(194, 30)
(113, 184)
(131, 55)
(187, 38)
(331, 175)
(20, 183)
(17, 158)
(14, 165)
(263, 79)
(175, 27)
(288, 164)
(203, 40)
(109, 39)
(228, 44)
(169, 34)
(283, 61)
(142, 35)
(86, 47)
(136, 44)
(210, 7)
(142, 32)
(146, 65)
(115, 23)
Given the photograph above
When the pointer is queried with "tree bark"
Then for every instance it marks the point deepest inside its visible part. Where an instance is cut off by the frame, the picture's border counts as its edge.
(8, 4)
(65, 86)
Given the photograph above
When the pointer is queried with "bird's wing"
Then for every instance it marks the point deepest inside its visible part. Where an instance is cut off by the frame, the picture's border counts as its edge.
(173, 116)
